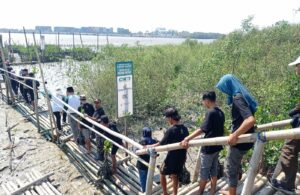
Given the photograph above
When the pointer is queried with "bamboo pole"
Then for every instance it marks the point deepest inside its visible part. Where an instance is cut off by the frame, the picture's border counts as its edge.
(34, 182)
(81, 40)
(51, 117)
(97, 42)
(253, 169)
(9, 91)
(150, 174)
(245, 138)
(277, 124)
(36, 105)
(26, 41)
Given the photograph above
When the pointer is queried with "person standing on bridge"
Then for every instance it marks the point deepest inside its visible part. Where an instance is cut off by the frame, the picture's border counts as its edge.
(74, 103)
(243, 107)
(86, 109)
(288, 160)
(99, 140)
(174, 162)
(112, 126)
(213, 126)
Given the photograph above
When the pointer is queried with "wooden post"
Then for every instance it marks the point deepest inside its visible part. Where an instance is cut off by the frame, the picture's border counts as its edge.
(36, 105)
(81, 40)
(9, 91)
(107, 41)
(58, 40)
(27, 46)
(197, 167)
(9, 47)
(73, 44)
(51, 117)
(253, 169)
(150, 174)
(97, 41)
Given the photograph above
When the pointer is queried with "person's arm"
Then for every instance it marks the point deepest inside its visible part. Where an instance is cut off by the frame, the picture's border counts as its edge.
(247, 124)
(185, 142)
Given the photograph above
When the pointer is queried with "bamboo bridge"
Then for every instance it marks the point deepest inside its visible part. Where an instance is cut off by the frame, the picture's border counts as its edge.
(126, 180)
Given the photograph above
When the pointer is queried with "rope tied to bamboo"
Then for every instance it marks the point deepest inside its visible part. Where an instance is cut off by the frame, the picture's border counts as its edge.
(152, 152)
(261, 136)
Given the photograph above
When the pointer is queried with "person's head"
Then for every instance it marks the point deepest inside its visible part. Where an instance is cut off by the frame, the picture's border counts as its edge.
(232, 86)
(209, 99)
(296, 63)
(25, 72)
(104, 120)
(147, 132)
(70, 90)
(31, 74)
(58, 92)
(172, 115)
(82, 99)
(97, 103)
(9, 68)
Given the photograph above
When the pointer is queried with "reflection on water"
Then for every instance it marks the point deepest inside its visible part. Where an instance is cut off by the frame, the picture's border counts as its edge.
(67, 40)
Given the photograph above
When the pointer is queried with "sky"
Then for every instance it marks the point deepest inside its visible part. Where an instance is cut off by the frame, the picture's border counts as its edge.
(221, 16)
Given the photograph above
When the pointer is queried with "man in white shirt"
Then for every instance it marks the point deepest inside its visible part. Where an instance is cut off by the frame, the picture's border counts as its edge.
(73, 102)
(57, 107)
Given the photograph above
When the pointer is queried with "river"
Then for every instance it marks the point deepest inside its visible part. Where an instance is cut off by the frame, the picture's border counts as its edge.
(91, 40)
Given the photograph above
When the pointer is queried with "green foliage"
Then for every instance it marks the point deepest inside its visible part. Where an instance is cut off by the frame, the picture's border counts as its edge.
(107, 146)
(175, 75)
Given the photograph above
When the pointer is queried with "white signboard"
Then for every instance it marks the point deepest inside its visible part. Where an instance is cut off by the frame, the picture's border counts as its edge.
(124, 88)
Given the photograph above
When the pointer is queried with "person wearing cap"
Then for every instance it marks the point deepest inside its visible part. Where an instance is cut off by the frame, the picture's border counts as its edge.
(243, 107)
(143, 169)
(74, 103)
(213, 126)
(86, 109)
(57, 107)
(99, 140)
(288, 160)
(105, 122)
(176, 133)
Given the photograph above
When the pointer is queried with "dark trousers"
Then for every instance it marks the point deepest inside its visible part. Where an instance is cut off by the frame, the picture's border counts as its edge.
(58, 120)
(15, 86)
(64, 116)
(288, 163)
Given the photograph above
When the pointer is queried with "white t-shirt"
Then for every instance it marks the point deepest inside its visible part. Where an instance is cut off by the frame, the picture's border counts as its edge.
(74, 102)
(56, 104)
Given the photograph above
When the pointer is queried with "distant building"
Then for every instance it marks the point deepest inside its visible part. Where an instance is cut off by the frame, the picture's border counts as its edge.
(62, 29)
(123, 31)
(43, 29)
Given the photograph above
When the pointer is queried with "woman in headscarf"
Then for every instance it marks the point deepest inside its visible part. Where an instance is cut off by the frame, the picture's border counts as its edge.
(143, 169)
(243, 107)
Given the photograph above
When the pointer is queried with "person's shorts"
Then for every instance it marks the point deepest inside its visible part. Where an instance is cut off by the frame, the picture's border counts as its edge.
(114, 150)
(86, 133)
(209, 165)
(171, 168)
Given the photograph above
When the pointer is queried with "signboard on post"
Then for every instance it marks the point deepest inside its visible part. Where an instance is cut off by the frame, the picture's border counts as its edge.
(124, 74)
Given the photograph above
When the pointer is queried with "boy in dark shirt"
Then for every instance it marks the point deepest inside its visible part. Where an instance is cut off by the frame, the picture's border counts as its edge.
(174, 162)
(242, 111)
(143, 169)
(99, 140)
(105, 122)
(87, 109)
(213, 126)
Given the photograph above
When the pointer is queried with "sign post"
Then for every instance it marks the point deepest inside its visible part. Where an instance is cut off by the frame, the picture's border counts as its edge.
(124, 74)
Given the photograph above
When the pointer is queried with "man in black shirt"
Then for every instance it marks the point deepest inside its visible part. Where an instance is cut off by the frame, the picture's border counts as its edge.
(243, 109)
(99, 140)
(86, 109)
(174, 162)
(105, 122)
(213, 126)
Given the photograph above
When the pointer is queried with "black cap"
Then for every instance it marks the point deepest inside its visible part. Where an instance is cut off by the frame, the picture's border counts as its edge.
(70, 89)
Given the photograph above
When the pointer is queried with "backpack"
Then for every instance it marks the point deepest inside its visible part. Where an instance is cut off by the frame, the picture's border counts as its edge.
(184, 177)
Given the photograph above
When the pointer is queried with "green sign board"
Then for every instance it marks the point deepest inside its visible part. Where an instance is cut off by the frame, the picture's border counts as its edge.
(124, 68)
